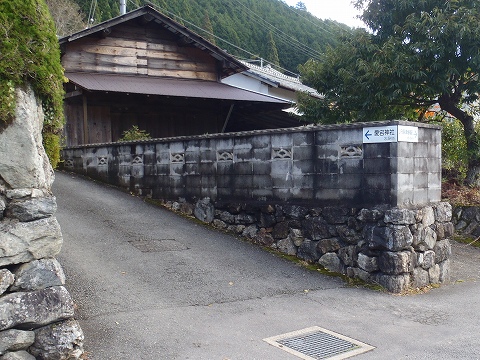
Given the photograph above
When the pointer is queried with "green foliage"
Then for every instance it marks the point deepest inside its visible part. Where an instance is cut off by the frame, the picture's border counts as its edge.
(134, 133)
(242, 23)
(7, 103)
(454, 149)
(417, 53)
(354, 83)
(29, 53)
(51, 143)
(272, 50)
(207, 26)
(301, 6)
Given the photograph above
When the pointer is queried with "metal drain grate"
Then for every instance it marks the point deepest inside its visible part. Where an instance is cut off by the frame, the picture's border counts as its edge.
(157, 245)
(316, 343)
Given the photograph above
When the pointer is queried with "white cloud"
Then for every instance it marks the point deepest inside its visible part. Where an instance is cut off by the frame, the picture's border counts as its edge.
(342, 11)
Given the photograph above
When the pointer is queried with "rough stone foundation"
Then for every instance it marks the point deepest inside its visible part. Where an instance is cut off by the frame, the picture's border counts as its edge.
(36, 310)
(397, 248)
(466, 220)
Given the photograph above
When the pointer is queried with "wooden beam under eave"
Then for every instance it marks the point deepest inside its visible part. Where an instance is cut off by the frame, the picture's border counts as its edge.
(105, 33)
(73, 94)
(145, 19)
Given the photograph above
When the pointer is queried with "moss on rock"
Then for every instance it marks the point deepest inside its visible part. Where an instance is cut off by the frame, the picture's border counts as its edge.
(29, 53)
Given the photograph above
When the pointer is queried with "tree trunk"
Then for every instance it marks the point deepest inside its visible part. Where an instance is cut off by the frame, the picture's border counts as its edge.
(473, 140)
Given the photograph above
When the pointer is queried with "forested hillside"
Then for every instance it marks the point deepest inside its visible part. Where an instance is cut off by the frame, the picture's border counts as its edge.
(260, 27)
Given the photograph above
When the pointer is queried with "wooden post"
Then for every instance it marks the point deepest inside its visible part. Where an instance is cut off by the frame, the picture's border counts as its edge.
(228, 118)
(85, 120)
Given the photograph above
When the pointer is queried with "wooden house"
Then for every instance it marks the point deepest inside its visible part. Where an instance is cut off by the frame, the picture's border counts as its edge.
(145, 69)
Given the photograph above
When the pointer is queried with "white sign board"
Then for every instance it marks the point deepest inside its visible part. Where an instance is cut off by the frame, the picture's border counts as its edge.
(391, 133)
(380, 134)
(407, 133)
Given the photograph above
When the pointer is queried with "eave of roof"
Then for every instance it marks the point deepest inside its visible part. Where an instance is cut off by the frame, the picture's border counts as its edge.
(169, 24)
(281, 80)
(262, 78)
(148, 85)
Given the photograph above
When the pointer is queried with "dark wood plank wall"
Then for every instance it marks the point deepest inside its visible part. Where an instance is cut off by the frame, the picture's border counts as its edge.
(107, 122)
(139, 50)
(166, 122)
(73, 129)
(99, 124)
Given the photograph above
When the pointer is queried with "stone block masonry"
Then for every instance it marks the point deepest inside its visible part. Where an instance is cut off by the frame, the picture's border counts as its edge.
(327, 165)
(360, 199)
(466, 220)
(397, 248)
(36, 310)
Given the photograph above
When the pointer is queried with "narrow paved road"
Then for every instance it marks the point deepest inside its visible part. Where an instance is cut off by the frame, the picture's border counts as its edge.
(153, 285)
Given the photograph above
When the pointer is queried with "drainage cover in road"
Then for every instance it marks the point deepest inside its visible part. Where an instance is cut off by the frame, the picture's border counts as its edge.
(315, 343)
(157, 245)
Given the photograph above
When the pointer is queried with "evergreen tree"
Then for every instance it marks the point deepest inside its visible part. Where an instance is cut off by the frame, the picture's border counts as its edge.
(272, 52)
(301, 6)
(182, 9)
(207, 26)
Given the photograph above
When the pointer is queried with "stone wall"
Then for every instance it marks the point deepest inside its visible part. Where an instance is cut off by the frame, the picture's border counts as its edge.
(331, 165)
(396, 248)
(36, 310)
(466, 220)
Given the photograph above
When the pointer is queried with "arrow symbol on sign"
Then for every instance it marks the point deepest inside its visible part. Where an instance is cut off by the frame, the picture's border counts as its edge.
(367, 134)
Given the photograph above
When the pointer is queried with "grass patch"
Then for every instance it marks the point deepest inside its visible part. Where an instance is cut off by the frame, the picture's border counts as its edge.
(353, 282)
(468, 240)
(418, 291)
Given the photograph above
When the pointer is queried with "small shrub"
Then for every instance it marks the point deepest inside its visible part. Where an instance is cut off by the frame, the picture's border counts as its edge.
(134, 133)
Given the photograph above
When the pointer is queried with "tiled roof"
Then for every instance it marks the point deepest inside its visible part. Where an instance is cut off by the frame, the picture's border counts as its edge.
(284, 81)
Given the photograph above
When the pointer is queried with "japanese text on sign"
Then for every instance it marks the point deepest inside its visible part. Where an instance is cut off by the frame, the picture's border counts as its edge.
(407, 133)
(380, 134)
(392, 133)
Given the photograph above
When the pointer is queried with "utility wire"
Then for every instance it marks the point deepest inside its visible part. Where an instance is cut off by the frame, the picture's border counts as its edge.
(255, 56)
(286, 38)
(175, 16)
(280, 34)
(91, 13)
(251, 55)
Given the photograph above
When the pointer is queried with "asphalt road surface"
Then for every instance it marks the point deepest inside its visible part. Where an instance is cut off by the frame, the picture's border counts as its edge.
(152, 285)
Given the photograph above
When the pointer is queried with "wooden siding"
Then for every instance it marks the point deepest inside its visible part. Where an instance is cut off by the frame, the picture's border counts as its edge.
(73, 129)
(139, 50)
(108, 117)
(98, 120)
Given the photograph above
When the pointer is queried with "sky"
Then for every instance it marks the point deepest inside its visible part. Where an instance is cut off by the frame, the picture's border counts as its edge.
(340, 10)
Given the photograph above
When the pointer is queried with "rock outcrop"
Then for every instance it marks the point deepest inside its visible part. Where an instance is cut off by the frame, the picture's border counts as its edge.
(36, 310)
